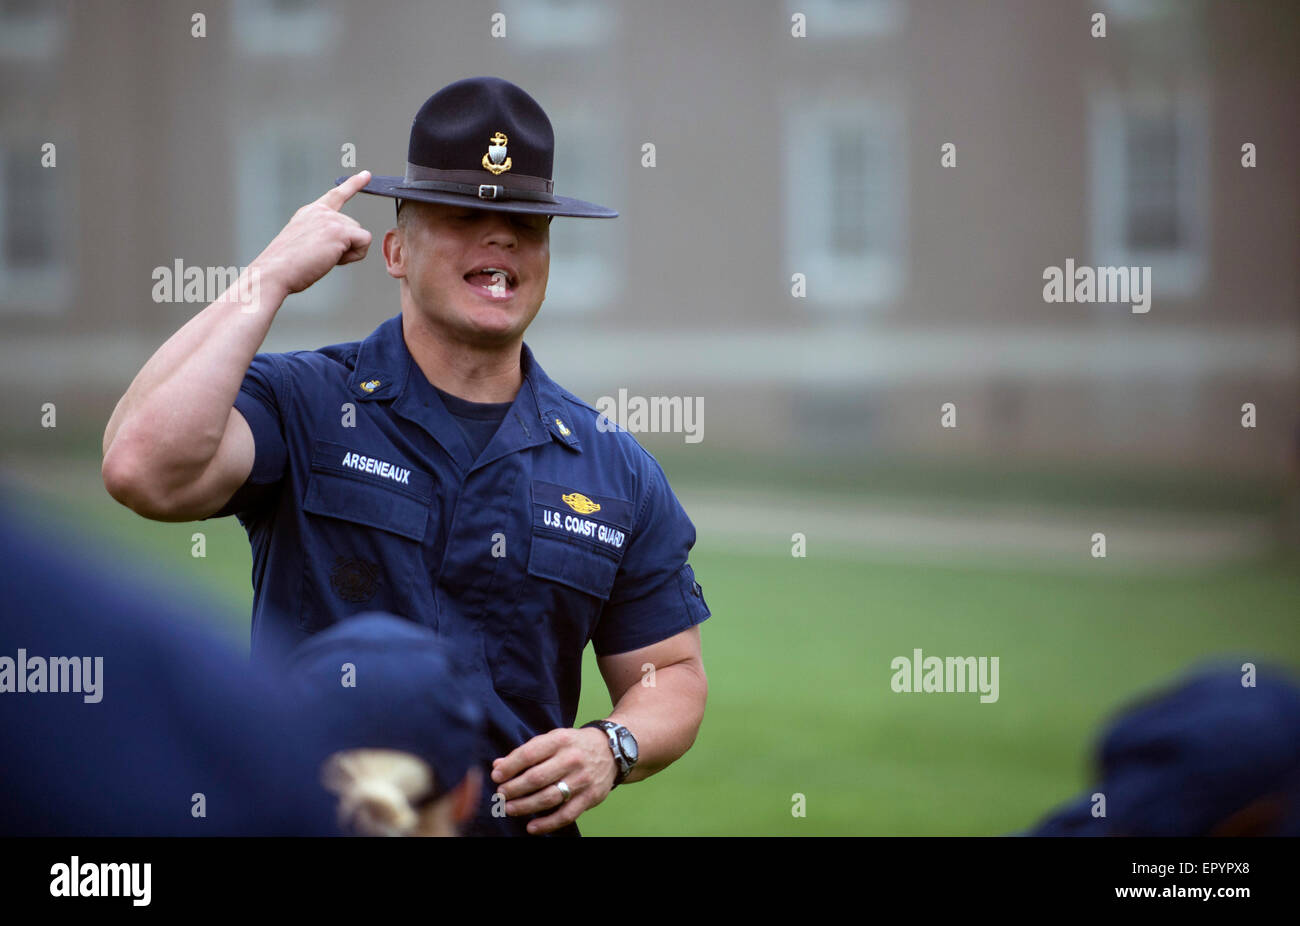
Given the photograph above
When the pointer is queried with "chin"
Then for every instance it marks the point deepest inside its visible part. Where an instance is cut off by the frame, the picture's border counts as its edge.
(475, 321)
(491, 328)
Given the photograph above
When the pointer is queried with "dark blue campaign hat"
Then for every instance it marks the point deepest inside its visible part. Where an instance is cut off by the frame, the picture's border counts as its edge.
(1207, 757)
(483, 142)
(380, 682)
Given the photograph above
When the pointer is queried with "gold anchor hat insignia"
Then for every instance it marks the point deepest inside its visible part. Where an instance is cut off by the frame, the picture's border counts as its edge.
(496, 159)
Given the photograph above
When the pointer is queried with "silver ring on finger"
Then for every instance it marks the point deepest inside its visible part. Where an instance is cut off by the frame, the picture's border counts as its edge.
(565, 793)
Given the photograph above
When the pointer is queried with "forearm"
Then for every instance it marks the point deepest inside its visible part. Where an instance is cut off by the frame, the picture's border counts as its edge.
(664, 717)
(173, 416)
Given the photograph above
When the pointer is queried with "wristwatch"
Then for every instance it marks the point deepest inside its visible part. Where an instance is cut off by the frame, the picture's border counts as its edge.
(622, 743)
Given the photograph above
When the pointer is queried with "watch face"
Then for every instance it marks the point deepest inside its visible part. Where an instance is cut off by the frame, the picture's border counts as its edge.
(627, 743)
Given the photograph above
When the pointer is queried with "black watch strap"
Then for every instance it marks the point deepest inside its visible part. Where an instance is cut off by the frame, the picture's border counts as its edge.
(622, 761)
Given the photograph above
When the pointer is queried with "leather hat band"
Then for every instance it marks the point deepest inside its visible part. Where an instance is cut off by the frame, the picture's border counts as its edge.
(470, 183)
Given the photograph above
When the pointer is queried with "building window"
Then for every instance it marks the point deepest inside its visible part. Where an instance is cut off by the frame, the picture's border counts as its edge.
(561, 23)
(34, 215)
(587, 255)
(31, 30)
(285, 27)
(1136, 10)
(845, 182)
(1150, 185)
(282, 166)
(855, 18)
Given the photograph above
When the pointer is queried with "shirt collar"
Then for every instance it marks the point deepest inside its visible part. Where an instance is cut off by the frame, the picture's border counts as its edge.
(383, 363)
(385, 369)
(548, 400)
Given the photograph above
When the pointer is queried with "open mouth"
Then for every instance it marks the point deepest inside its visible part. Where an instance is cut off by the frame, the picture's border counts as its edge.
(495, 282)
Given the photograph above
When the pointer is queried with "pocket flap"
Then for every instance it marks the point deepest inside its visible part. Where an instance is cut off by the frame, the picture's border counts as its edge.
(336, 496)
(571, 564)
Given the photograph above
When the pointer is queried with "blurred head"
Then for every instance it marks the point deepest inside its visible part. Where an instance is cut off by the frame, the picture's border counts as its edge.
(1209, 756)
(386, 792)
(400, 740)
(435, 251)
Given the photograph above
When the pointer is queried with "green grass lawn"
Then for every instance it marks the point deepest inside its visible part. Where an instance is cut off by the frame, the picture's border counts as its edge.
(798, 654)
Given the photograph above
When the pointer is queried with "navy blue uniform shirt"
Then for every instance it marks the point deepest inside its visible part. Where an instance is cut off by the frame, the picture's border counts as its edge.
(365, 496)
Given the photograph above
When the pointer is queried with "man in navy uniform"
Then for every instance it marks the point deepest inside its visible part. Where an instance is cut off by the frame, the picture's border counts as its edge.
(434, 470)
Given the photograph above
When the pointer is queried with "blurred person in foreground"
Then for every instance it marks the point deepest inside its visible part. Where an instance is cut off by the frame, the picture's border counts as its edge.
(1211, 756)
(120, 715)
(404, 739)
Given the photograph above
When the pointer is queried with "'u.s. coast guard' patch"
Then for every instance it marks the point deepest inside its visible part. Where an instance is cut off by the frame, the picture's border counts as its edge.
(576, 513)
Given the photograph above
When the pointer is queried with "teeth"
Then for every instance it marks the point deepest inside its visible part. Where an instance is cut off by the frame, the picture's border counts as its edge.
(501, 280)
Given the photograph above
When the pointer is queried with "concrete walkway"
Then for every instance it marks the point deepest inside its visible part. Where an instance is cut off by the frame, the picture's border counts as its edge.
(894, 530)
(927, 532)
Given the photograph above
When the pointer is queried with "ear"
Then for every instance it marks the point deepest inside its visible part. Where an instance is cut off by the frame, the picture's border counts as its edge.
(464, 797)
(395, 253)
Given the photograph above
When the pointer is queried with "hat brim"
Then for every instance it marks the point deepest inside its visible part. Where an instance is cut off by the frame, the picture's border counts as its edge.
(566, 206)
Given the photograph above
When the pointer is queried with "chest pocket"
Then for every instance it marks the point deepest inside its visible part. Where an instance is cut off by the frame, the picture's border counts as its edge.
(366, 504)
(561, 560)
(578, 540)
(365, 525)
(576, 546)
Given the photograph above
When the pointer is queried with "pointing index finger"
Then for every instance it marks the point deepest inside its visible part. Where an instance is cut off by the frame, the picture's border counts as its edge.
(336, 197)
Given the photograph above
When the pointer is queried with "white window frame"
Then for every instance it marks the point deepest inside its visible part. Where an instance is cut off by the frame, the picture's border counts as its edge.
(46, 290)
(832, 19)
(588, 256)
(35, 38)
(841, 285)
(1177, 272)
(262, 29)
(1137, 11)
(550, 24)
(258, 219)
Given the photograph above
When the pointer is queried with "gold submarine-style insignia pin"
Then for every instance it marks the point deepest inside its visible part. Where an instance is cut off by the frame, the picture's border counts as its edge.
(580, 503)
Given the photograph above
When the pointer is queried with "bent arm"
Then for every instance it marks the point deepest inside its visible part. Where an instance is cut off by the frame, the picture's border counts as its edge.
(663, 710)
(175, 448)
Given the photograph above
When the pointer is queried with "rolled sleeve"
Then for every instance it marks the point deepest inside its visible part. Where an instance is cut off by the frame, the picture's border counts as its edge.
(656, 594)
(263, 402)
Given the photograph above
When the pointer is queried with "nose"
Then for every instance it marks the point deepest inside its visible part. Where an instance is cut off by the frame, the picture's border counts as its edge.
(500, 229)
